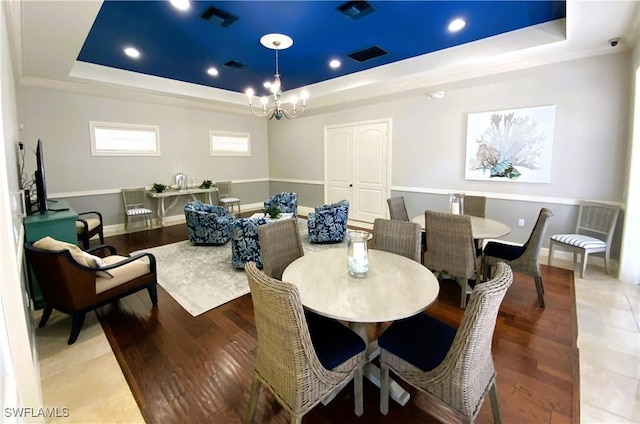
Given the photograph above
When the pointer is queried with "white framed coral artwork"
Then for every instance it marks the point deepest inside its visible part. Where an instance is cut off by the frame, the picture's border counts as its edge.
(510, 145)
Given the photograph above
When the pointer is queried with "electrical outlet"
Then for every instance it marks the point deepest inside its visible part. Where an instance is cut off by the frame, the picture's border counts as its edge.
(521, 222)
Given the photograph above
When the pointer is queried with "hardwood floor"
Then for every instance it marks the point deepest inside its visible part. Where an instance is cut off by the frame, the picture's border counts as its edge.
(198, 369)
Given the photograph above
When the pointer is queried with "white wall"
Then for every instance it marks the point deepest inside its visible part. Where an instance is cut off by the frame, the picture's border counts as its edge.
(20, 382)
(429, 136)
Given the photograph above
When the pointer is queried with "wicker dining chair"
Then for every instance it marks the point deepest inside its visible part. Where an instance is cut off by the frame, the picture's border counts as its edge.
(522, 259)
(475, 205)
(397, 209)
(280, 245)
(451, 249)
(301, 360)
(453, 366)
(401, 238)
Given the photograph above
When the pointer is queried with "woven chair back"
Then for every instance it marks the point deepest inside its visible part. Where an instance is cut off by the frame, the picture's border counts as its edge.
(450, 246)
(401, 238)
(470, 354)
(285, 360)
(134, 197)
(280, 245)
(397, 209)
(475, 205)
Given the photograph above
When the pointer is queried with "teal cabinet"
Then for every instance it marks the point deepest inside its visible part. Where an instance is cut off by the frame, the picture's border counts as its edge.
(59, 224)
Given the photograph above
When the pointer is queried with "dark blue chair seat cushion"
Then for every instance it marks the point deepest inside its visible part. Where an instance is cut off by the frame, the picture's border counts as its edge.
(507, 252)
(333, 342)
(420, 340)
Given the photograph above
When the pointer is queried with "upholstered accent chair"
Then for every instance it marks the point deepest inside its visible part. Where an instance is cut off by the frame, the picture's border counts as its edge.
(207, 224)
(451, 249)
(594, 232)
(287, 202)
(88, 225)
(397, 209)
(75, 281)
(328, 224)
(244, 242)
(301, 358)
(455, 367)
(135, 206)
(522, 259)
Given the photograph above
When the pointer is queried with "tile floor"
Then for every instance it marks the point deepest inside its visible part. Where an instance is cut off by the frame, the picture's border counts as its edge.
(86, 378)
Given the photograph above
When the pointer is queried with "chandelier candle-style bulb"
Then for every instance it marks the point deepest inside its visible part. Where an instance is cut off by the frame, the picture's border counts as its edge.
(277, 109)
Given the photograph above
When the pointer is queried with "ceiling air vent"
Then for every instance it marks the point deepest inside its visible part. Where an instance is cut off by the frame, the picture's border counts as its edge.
(218, 17)
(368, 54)
(235, 65)
(356, 9)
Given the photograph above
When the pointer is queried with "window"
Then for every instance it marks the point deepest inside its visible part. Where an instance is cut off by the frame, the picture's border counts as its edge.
(111, 139)
(229, 144)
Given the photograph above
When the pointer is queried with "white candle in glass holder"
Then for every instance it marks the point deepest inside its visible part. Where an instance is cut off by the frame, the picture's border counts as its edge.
(455, 208)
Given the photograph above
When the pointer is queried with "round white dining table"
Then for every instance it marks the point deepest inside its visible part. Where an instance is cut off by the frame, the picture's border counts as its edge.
(395, 287)
(482, 228)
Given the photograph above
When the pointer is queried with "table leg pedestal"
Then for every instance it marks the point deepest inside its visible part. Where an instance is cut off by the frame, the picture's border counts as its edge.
(372, 372)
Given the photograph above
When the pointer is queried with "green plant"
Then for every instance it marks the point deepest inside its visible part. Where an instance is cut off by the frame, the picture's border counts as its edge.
(206, 184)
(272, 211)
(159, 187)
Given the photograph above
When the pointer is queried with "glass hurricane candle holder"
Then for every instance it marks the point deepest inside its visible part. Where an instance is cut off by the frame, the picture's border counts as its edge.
(357, 253)
(456, 203)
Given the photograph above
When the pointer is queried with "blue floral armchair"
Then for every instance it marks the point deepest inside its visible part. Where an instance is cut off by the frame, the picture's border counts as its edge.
(207, 224)
(287, 202)
(244, 242)
(329, 223)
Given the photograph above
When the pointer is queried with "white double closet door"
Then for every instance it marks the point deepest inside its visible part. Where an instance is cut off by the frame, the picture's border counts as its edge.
(357, 163)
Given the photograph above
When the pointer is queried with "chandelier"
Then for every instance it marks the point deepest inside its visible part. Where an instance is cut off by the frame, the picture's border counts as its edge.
(279, 108)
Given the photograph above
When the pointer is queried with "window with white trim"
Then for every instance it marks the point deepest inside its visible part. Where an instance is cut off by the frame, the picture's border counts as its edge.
(114, 139)
(229, 144)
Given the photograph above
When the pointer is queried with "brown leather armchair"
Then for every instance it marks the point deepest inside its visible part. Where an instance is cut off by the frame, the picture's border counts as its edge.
(73, 282)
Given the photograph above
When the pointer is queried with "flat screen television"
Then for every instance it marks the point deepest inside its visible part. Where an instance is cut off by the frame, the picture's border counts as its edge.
(41, 182)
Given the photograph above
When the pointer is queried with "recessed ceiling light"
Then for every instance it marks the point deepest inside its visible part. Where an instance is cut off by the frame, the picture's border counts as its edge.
(456, 25)
(132, 52)
(335, 63)
(181, 4)
(212, 71)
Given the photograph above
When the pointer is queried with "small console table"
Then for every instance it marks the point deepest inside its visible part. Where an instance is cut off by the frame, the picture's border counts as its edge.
(59, 224)
(160, 197)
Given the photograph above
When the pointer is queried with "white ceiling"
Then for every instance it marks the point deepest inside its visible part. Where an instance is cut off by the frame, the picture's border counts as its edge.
(49, 34)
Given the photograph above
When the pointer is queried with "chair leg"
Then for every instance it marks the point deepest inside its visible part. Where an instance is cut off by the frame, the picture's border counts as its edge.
(85, 241)
(463, 296)
(540, 290)
(551, 246)
(585, 255)
(606, 260)
(384, 388)
(253, 399)
(77, 319)
(46, 313)
(101, 235)
(153, 293)
(495, 407)
(357, 391)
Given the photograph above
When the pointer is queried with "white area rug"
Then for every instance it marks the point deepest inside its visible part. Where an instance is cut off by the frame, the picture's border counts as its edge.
(201, 278)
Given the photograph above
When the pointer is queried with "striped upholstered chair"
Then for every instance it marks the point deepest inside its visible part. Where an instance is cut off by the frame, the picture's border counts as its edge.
(453, 366)
(135, 206)
(594, 232)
